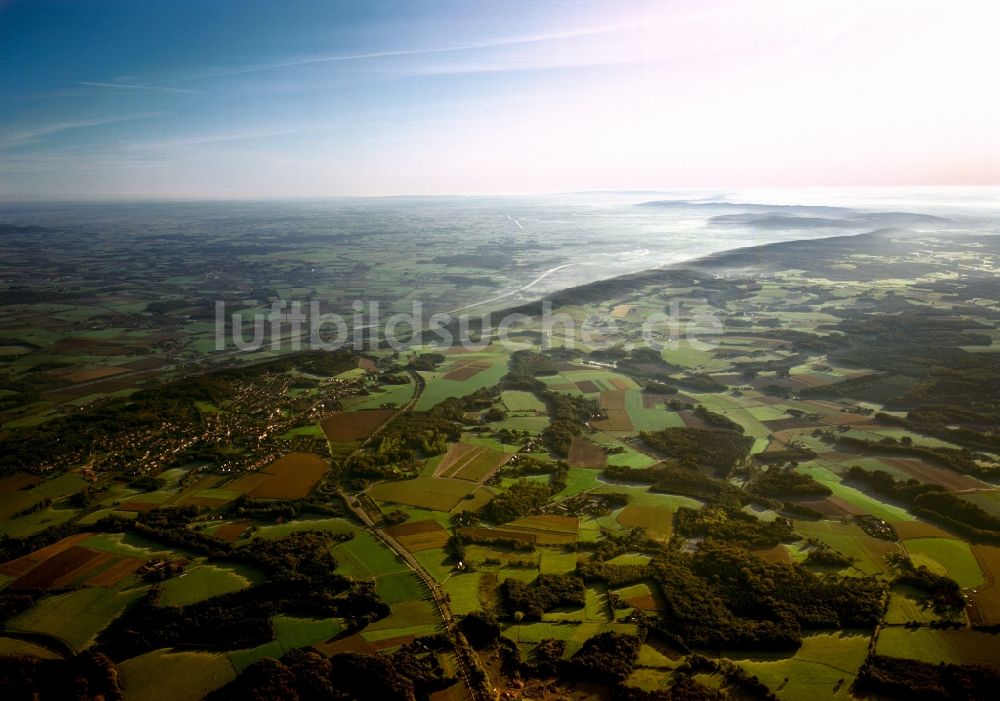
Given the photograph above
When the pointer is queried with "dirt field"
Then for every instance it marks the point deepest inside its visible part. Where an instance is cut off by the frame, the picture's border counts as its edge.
(775, 425)
(435, 493)
(548, 530)
(470, 462)
(583, 453)
(495, 533)
(417, 536)
(931, 474)
(291, 476)
(22, 565)
(657, 520)
(987, 597)
(87, 374)
(137, 506)
(587, 386)
(18, 481)
(919, 529)
(248, 482)
(613, 402)
(457, 455)
(464, 373)
(351, 426)
(73, 566)
(833, 507)
(231, 531)
(114, 574)
(653, 401)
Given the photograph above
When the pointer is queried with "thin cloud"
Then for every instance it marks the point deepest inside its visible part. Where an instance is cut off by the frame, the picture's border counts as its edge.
(339, 58)
(132, 86)
(25, 137)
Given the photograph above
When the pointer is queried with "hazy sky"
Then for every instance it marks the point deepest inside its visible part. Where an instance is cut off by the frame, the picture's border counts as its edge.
(214, 98)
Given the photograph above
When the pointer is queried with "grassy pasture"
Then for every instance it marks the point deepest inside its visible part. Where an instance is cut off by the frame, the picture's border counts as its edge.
(205, 581)
(400, 586)
(579, 479)
(78, 616)
(658, 520)
(555, 562)
(331, 525)
(436, 493)
(645, 418)
(946, 556)
(869, 553)
(289, 633)
(520, 401)
(905, 605)
(463, 591)
(823, 668)
(61, 486)
(440, 387)
(364, 556)
(13, 646)
(925, 644)
(175, 676)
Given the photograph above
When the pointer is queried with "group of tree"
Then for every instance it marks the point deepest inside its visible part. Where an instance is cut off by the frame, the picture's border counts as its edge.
(723, 596)
(921, 681)
(545, 593)
(715, 448)
(732, 526)
(409, 674)
(787, 482)
(933, 502)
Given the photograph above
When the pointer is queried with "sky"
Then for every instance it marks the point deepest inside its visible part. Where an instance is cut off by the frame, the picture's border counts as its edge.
(122, 99)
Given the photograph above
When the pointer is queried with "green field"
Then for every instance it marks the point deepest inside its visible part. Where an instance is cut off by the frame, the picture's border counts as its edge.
(289, 633)
(364, 557)
(163, 675)
(654, 419)
(439, 494)
(205, 581)
(823, 668)
(438, 389)
(331, 525)
(400, 586)
(946, 556)
(77, 617)
(925, 644)
(463, 591)
(517, 400)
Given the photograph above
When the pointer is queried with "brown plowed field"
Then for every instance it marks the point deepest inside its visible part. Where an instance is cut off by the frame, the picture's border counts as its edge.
(987, 597)
(932, 474)
(351, 426)
(613, 401)
(17, 482)
(417, 536)
(18, 567)
(61, 569)
(583, 453)
(291, 476)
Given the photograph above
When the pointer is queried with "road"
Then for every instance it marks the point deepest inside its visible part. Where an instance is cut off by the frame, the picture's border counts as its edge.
(467, 660)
